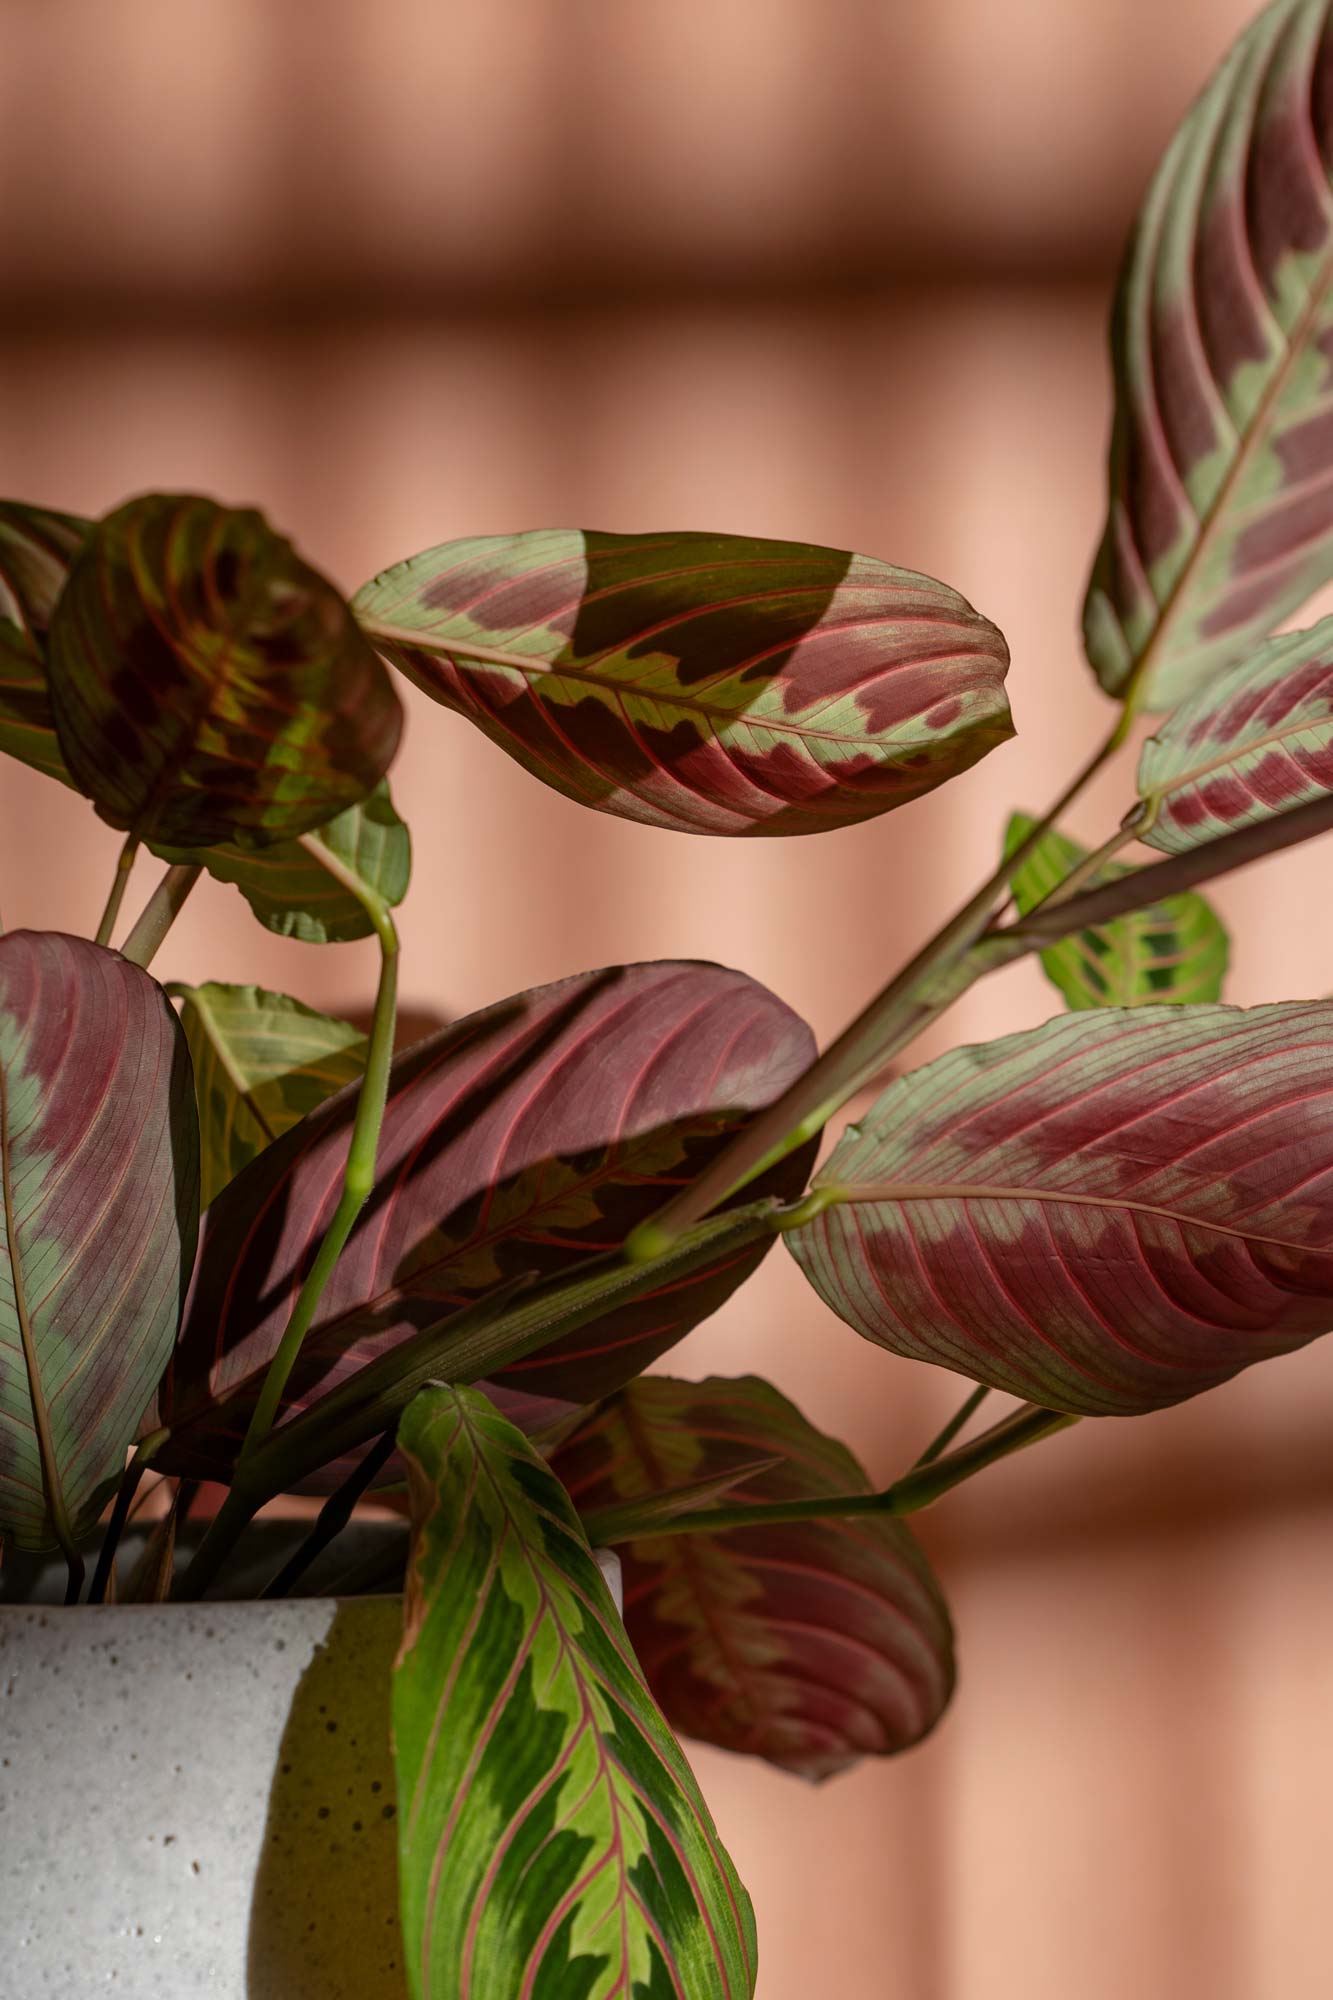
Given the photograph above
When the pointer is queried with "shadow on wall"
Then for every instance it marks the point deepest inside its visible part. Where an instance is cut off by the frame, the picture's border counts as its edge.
(324, 1920)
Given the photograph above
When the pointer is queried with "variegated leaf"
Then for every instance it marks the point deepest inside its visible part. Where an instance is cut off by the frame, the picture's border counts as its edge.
(705, 683)
(208, 685)
(36, 550)
(291, 892)
(1175, 950)
(1256, 740)
(552, 1838)
(810, 1644)
(1104, 1215)
(99, 1199)
(527, 1138)
(1221, 479)
(261, 1062)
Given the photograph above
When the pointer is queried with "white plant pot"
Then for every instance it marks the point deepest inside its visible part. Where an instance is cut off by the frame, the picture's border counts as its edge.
(199, 1800)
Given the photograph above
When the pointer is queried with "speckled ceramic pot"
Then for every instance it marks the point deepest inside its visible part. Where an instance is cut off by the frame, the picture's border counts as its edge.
(199, 1800)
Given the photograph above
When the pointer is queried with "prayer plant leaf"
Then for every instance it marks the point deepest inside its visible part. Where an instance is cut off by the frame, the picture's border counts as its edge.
(524, 1139)
(551, 1836)
(291, 892)
(261, 1062)
(100, 1200)
(1255, 741)
(808, 1643)
(1104, 1215)
(1220, 521)
(705, 683)
(208, 685)
(36, 550)
(1174, 951)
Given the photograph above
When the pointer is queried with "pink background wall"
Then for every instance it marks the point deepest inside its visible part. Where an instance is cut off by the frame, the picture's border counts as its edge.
(400, 270)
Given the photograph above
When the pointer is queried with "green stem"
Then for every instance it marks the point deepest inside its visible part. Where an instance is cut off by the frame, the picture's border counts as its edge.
(908, 1495)
(956, 1422)
(119, 883)
(358, 1180)
(160, 913)
(925, 987)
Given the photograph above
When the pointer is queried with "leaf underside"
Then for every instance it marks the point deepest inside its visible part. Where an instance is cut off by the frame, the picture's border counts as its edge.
(527, 1138)
(1174, 952)
(261, 1062)
(552, 1839)
(1220, 520)
(810, 1644)
(703, 683)
(1257, 740)
(1104, 1215)
(99, 1195)
(207, 685)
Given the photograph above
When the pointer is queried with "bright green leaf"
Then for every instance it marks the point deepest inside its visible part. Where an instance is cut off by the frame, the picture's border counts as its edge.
(261, 1062)
(552, 1839)
(1174, 951)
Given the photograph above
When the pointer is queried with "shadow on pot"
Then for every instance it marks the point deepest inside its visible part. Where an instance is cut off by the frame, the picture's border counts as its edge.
(324, 1919)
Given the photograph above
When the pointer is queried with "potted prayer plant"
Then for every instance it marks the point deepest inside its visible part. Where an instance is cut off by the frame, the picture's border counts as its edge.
(250, 1250)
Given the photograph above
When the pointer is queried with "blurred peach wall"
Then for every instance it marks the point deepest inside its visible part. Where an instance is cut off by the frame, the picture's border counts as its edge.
(834, 269)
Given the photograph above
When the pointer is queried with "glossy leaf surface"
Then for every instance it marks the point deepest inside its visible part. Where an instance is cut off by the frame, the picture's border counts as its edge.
(1256, 741)
(1105, 1215)
(36, 550)
(552, 1838)
(99, 1194)
(261, 1062)
(292, 893)
(1221, 481)
(528, 1137)
(208, 685)
(1175, 950)
(705, 683)
(809, 1644)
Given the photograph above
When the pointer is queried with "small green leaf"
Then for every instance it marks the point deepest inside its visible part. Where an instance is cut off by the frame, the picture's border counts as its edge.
(261, 1062)
(36, 550)
(290, 892)
(1176, 951)
(207, 685)
(552, 1838)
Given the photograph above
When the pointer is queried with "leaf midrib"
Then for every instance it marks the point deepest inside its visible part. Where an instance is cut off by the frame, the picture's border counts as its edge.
(904, 1191)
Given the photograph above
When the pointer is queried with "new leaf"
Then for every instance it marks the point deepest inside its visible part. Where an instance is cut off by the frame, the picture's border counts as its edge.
(552, 1839)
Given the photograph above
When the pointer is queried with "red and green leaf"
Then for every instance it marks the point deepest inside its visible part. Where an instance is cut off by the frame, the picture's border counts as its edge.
(1221, 479)
(809, 1644)
(99, 1203)
(290, 890)
(1257, 740)
(1175, 950)
(527, 1138)
(705, 683)
(261, 1062)
(36, 550)
(1105, 1215)
(552, 1839)
(208, 685)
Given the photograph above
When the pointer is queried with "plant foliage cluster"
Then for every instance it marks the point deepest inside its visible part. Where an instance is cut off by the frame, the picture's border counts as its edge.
(321, 1265)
